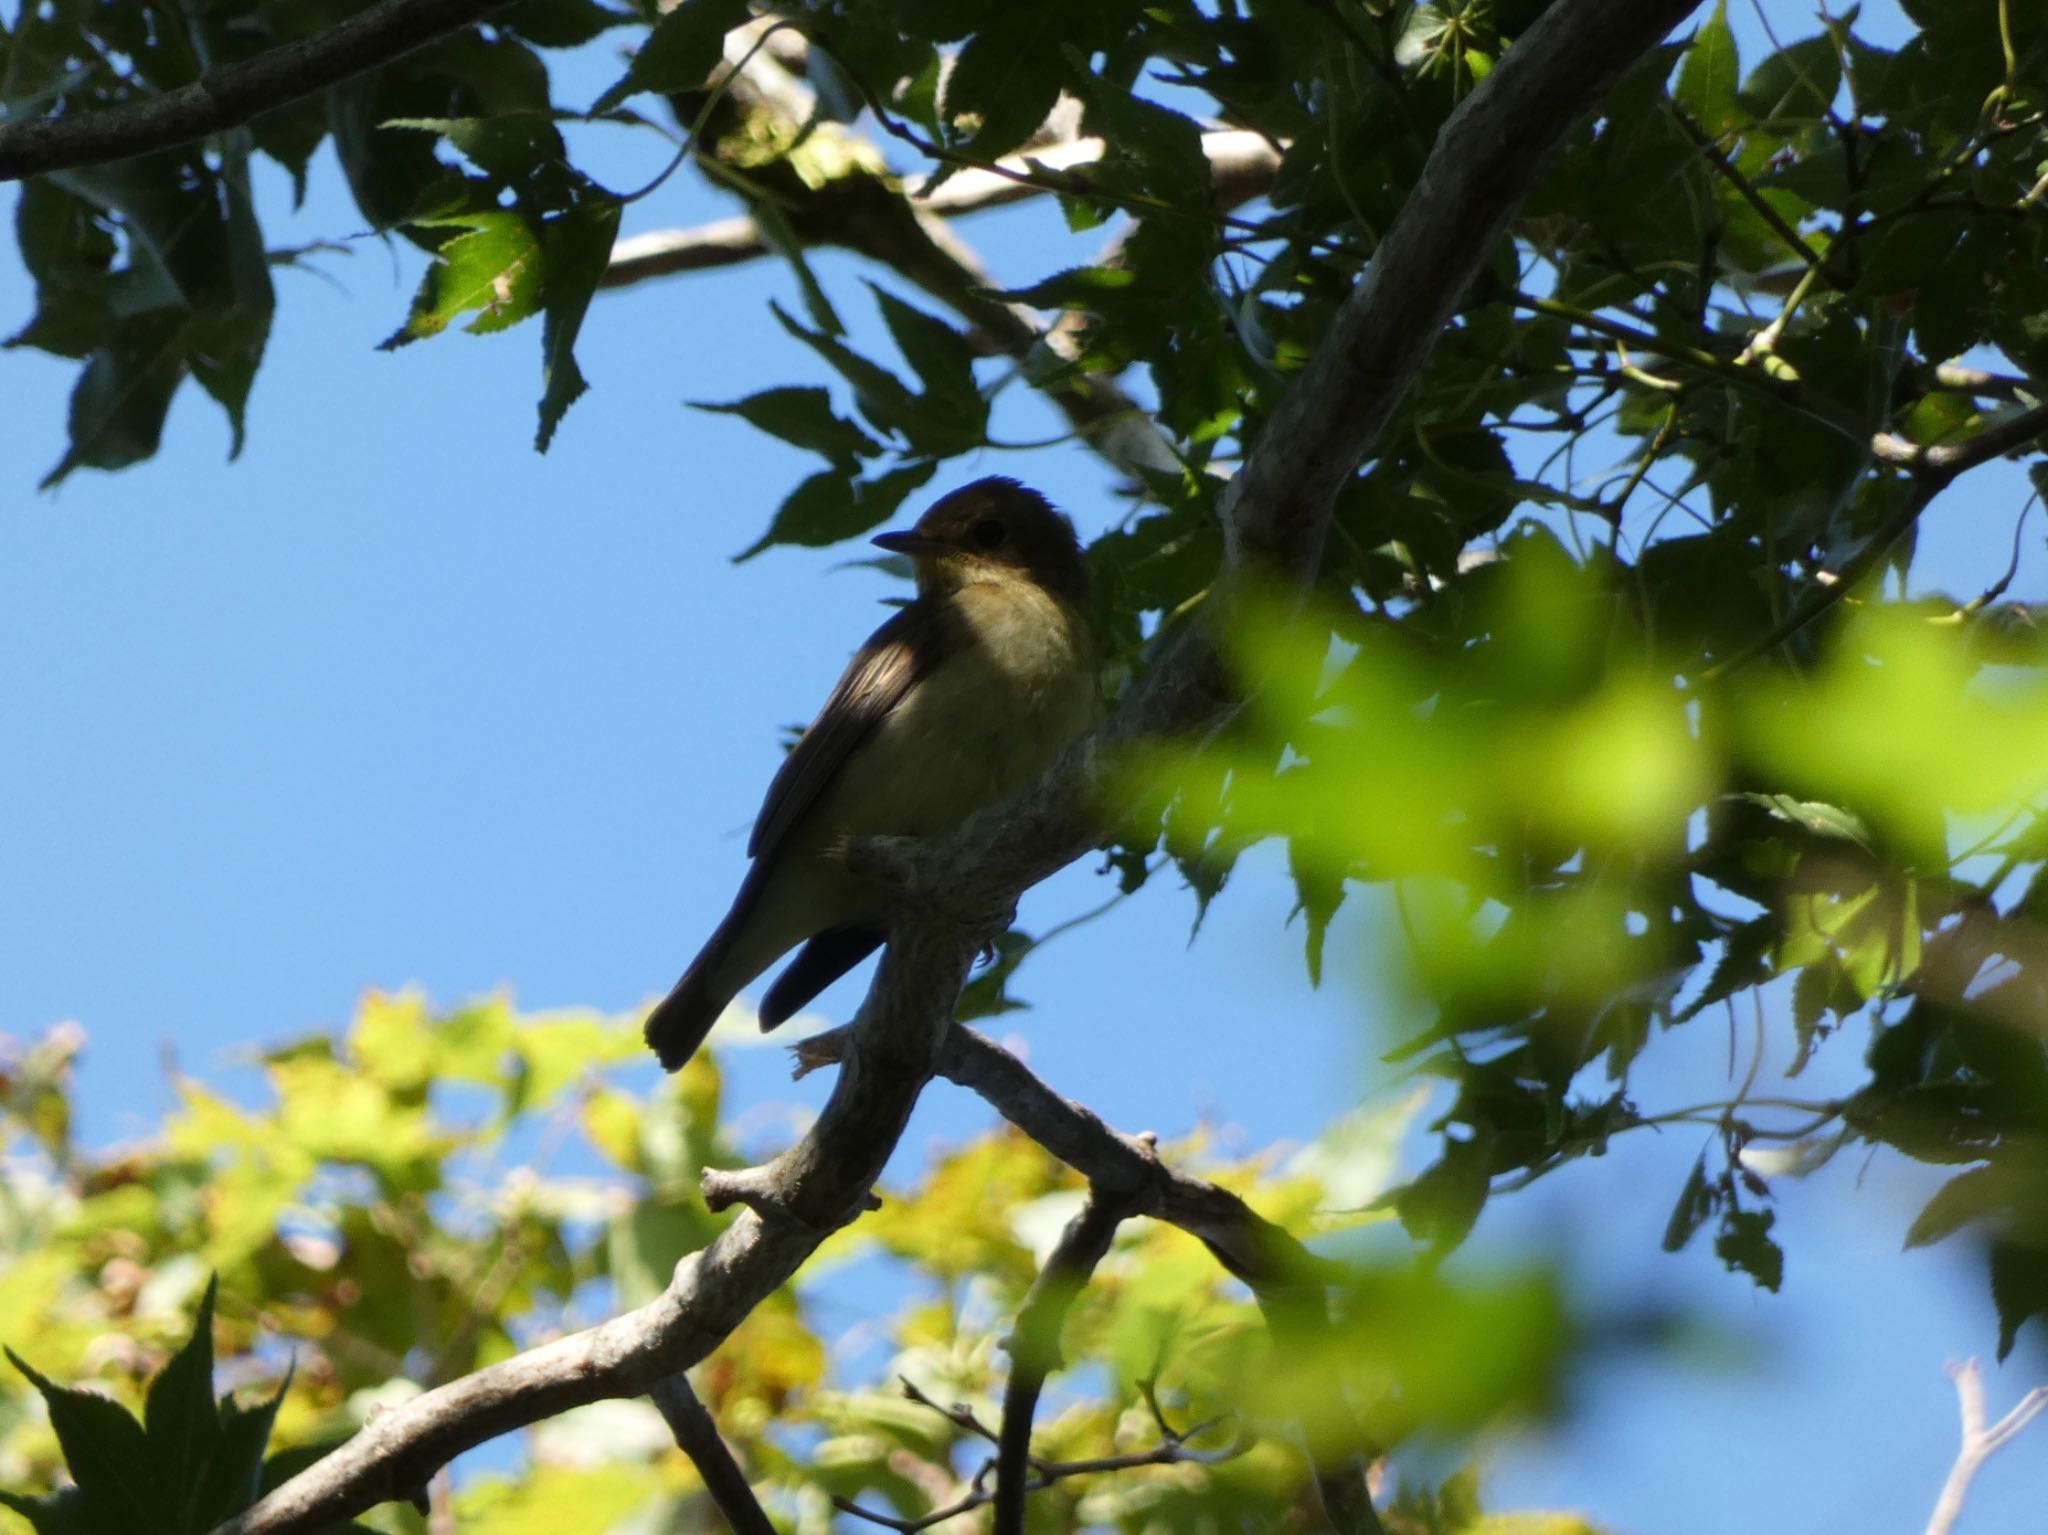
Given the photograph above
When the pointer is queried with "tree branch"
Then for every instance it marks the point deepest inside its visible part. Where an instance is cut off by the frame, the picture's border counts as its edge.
(227, 98)
(1277, 512)
(1287, 1279)
(1035, 1346)
(1979, 1442)
(1933, 470)
(1241, 166)
(698, 1437)
(865, 211)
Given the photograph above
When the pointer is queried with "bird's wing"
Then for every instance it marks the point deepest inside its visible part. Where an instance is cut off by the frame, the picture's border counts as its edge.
(881, 674)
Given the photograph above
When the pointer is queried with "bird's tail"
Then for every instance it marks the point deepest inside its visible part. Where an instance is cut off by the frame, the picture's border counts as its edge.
(817, 965)
(680, 1020)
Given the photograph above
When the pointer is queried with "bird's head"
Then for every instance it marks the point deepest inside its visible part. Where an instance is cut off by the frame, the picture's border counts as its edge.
(994, 529)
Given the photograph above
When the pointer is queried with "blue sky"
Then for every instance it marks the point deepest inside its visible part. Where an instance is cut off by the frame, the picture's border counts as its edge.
(392, 699)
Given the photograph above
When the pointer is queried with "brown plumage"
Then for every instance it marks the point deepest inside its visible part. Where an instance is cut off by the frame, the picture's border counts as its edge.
(963, 697)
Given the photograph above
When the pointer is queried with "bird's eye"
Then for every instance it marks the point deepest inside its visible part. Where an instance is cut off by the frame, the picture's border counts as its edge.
(987, 533)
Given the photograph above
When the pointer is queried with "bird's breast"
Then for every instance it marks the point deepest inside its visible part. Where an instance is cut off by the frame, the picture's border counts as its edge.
(1019, 683)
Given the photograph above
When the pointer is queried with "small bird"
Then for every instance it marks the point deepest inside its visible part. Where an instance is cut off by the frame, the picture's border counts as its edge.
(963, 697)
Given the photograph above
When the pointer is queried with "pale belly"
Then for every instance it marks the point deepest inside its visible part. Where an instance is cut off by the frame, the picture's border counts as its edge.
(977, 729)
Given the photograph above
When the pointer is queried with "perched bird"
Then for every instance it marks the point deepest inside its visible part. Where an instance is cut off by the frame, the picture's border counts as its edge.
(961, 698)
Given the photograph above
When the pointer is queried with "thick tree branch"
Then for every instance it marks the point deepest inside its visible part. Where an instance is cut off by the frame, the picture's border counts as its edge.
(1484, 163)
(697, 1436)
(228, 98)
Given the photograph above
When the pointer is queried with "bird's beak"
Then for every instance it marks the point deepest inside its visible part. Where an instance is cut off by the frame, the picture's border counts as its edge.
(912, 543)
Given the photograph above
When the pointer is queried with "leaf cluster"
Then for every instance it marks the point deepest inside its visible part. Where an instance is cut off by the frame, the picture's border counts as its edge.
(372, 1248)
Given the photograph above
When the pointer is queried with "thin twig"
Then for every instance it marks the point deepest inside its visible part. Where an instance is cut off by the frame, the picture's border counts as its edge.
(1933, 469)
(1762, 205)
(960, 1415)
(1289, 1282)
(1171, 1452)
(698, 1437)
(1979, 1443)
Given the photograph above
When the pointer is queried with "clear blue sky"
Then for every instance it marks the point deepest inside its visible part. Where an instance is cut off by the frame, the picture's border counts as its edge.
(392, 699)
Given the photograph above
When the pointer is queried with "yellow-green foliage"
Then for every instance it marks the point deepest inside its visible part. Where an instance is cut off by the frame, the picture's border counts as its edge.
(431, 1190)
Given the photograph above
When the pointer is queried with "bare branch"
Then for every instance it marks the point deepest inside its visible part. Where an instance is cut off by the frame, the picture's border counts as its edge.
(1035, 1345)
(663, 252)
(1979, 1442)
(698, 1437)
(1484, 162)
(1241, 166)
(1125, 1168)
(1944, 461)
(227, 98)
(1288, 1280)
(1997, 386)
(871, 214)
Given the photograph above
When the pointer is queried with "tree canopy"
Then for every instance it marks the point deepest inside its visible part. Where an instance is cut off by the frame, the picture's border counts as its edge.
(1527, 426)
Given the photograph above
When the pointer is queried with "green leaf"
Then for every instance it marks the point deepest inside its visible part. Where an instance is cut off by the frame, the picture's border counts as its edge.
(831, 506)
(942, 361)
(1745, 1245)
(522, 150)
(774, 227)
(885, 399)
(493, 269)
(1966, 1197)
(62, 237)
(804, 418)
(235, 1477)
(59, 1513)
(1696, 1201)
(1008, 76)
(1081, 287)
(122, 396)
(561, 23)
(577, 245)
(987, 994)
(1153, 149)
(1708, 79)
(1798, 81)
(2019, 1287)
(105, 1451)
(1318, 892)
(1441, 1205)
(180, 1419)
(681, 51)
(1744, 962)
(1816, 816)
